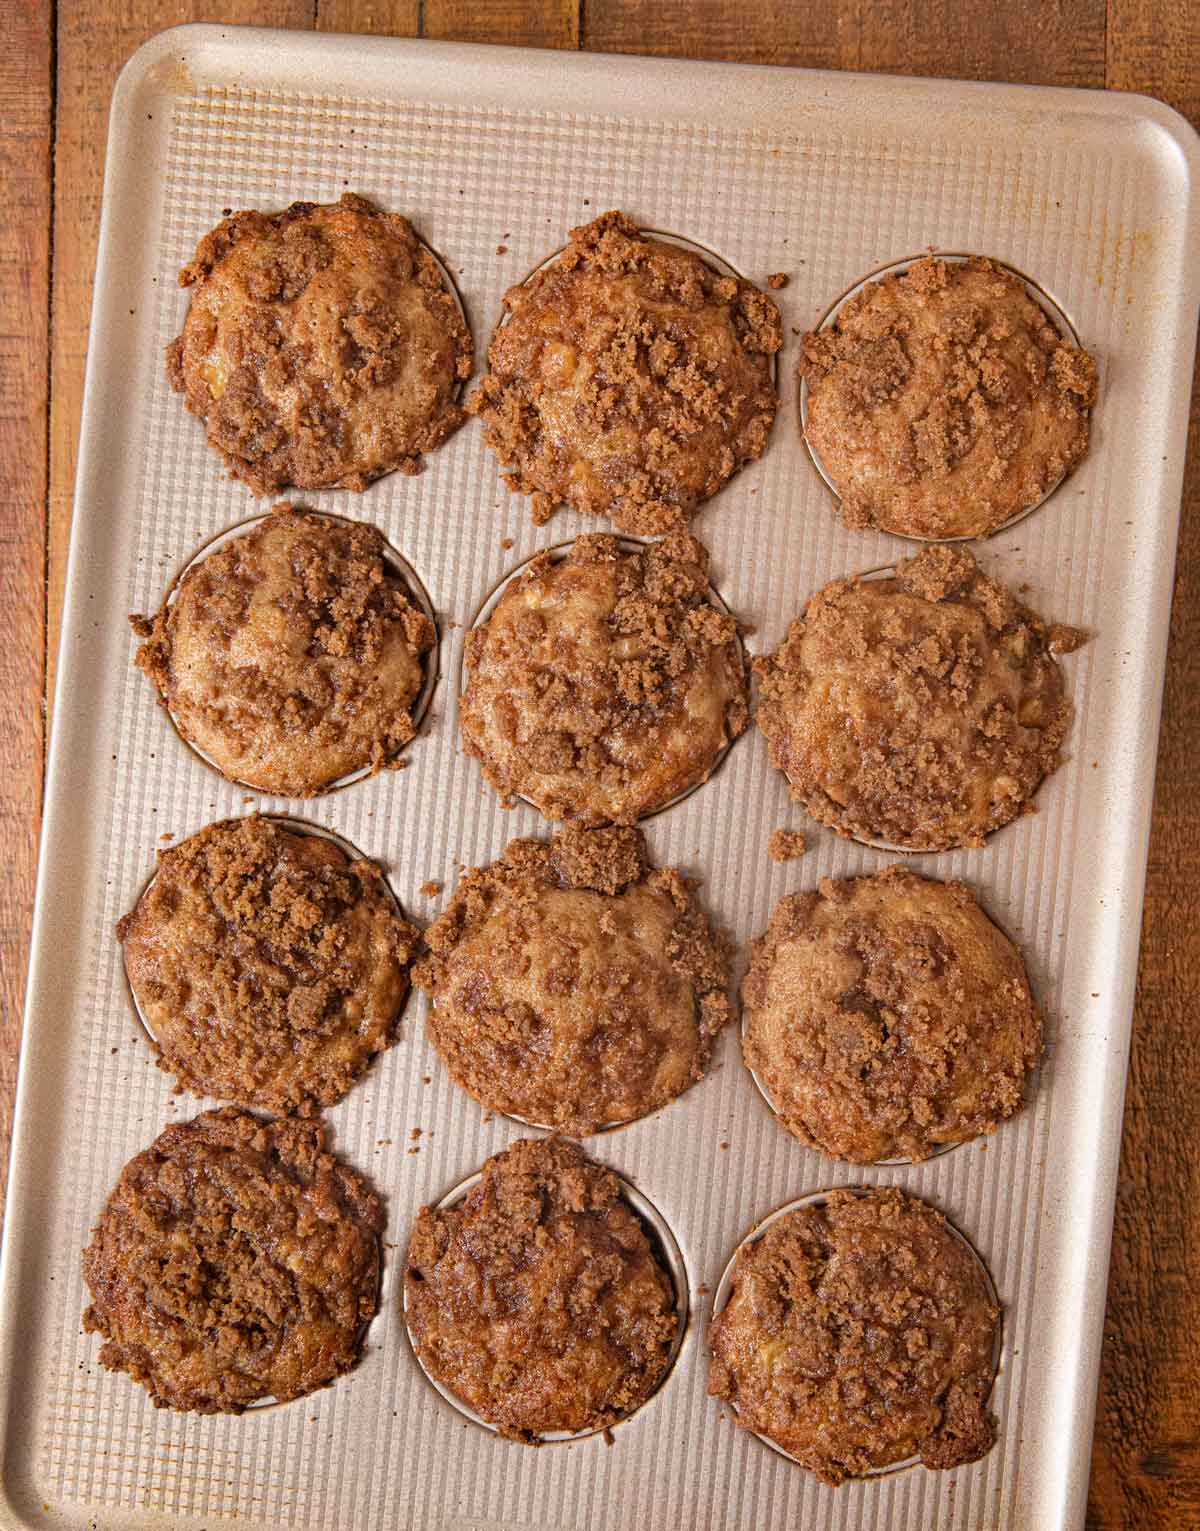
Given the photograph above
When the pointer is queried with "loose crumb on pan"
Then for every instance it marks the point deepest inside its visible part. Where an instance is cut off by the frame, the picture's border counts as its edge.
(431, 889)
(778, 279)
(787, 845)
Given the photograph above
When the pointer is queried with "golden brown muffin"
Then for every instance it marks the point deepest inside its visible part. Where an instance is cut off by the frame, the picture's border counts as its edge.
(859, 1331)
(887, 1017)
(321, 347)
(292, 655)
(268, 966)
(235, 1260)
(604, 682)
(943, 401)
(630, 379)
(923, 710)
(537, 1299)
(573, 986)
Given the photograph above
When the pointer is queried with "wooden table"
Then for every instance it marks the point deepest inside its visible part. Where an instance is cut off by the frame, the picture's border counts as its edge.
(57, 67)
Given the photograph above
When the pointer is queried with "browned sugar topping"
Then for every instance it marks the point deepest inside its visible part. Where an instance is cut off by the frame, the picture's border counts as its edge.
(787, 845)
(630, 379)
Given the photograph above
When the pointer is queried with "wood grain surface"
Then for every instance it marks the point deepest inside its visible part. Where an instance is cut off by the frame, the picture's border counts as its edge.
(58, 63)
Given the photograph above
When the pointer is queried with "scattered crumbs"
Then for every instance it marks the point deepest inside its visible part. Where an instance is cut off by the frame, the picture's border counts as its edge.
(451, 625)
(777, 279)
(724, 1146)
(702, 1289)
(165, 838)
(384, 1142)
(489, 1116)
(1095, 765)
(227, 212)
(587, 201)
(506, 543)
(787, 845)
(426, 1079)
(795, 331)
(414, 1149)
(501, 249)
(112, 1052)
(1095, 996)
(247, 800)
(415, 1134)
(608, 1436)
(430, 889)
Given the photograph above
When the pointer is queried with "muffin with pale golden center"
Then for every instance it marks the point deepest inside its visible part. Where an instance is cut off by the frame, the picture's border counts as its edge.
(923, 709)
(859, 1331)
(269, 967)
(605, 681)
(943, 401)
(887, 1017)
(292, 655)
(573, 985)
(236, 1260)
(629, 379)
(538, 1299)
(321, 347)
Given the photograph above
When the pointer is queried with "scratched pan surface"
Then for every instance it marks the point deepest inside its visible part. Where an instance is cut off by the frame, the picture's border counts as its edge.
(825, 177)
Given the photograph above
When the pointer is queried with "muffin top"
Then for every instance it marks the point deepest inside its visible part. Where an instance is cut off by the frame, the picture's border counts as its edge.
(923, 710)
(572, 985)
(604, 682)
(943, 401)
(292, 655)
(235, 1260)
(629, 379)
(321, 347)
(537, 1299)
(269, 967)
(887, 1017)
(859, 1331)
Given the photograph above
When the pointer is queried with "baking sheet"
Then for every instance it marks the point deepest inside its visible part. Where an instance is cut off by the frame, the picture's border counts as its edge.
(824, 177)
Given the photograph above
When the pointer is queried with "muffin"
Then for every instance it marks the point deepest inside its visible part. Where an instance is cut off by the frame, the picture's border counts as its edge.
(604, 682)
(628, 379)
(887, 1017)
(537, 1300)
(235, 1260)
(859, 1332)
(942, 401)
(923, 710)
(571, 985)
(321, 347)
(292, 655)
(268, 966)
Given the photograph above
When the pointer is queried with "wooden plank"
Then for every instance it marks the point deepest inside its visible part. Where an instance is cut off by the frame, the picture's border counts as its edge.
(95, 39)
(770, 32)
(525, 23)
(1146, 1458)
(380, 18)
(25, 109)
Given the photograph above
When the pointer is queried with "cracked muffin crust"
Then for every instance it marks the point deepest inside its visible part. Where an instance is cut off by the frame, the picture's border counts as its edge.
(942, 401)
(538, 1299)
(923, 709)
(291, 655)
(859, 1331)
(269, 967)
(321, 348)
(604, 682)
(571, 985)
(887, 1017)
(631, 379)
(235, 1260)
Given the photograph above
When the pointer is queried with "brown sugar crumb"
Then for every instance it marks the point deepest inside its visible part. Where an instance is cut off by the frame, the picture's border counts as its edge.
(165, 839)
(859, 1331)
(943, 401)
(292, 655)
(923, 710)
(321, 347)
(506, 543)
(431, 889)
(572, 985)
(501, 249)
(887, 1017)
(629, 379)
(778, 279)
(604, 682)
(541, 1259)
(269, 967)
(235, 1260)
(787, 845)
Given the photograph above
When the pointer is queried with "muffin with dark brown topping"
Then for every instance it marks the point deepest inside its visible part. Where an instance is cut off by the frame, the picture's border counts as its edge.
(292, 655)
(235, 1260)
(859, 1331)
(321, 346)
(538, 1299)
(629, 379)
(887, 1017)
(605, 681)
(572, 985)
(923, 709)
(269, 967)
(943, 401)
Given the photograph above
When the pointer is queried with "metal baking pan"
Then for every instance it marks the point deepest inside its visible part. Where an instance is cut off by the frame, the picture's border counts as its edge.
(825, 177)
